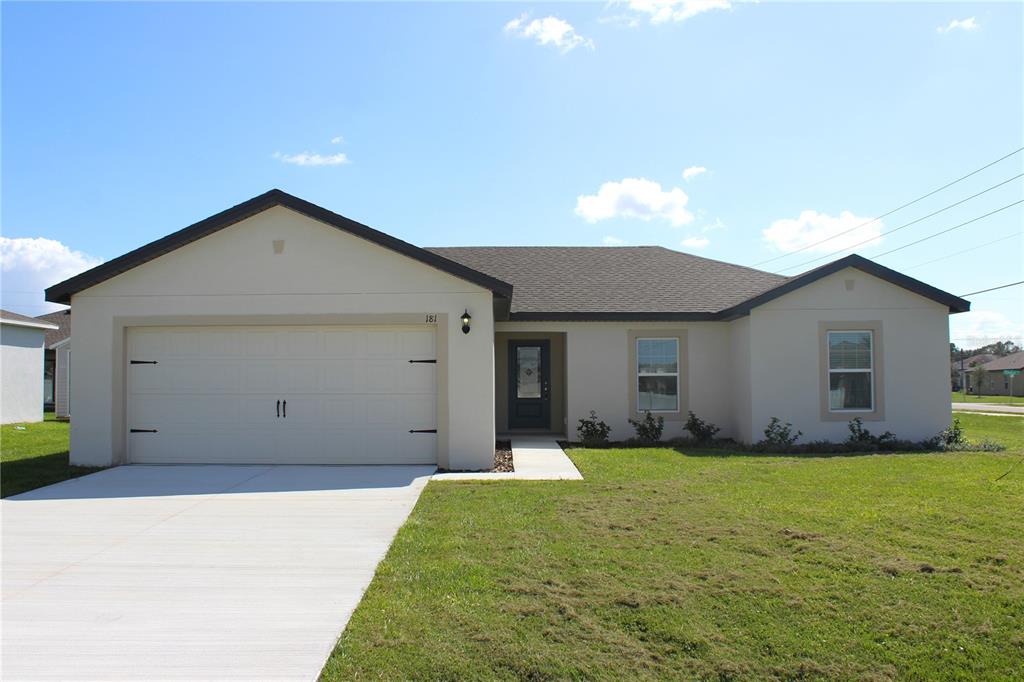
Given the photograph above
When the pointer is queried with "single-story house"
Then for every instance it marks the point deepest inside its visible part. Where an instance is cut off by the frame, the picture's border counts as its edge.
(21, 367)
(1000, 377)
(57, 364)
(960, 366)
(279, 331)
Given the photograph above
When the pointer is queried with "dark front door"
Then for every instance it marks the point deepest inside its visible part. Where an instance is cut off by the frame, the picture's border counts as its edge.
(529, 381)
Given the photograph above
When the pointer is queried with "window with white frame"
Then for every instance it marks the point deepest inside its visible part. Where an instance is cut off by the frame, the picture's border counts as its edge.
(851, 380)
(657, 375)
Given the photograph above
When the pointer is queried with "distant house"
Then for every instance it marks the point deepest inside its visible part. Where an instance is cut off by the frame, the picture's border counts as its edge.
(21, 367)
(962, 366)
(997, 382)
(57, 364)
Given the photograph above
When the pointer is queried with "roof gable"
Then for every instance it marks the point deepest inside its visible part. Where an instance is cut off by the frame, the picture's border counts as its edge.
(954, 303)
(62, 292)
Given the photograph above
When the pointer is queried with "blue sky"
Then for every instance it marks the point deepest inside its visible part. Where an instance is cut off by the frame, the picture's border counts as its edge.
(524, 124)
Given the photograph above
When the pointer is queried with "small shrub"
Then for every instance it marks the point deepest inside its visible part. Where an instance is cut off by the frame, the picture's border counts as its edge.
(779, 436)
(649, 429)
(593, 432)
(951, 436)
(861, 438)
(702, 431)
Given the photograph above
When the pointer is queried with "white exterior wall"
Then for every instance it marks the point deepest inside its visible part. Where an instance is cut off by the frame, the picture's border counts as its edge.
(598, 372)
(323, 276)
(21, 374)
(739, 332)
(786, 379)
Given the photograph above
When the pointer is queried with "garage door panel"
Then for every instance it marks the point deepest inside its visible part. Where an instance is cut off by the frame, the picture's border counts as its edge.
(260, 344)
(344, 343)
(299, 376)
(352, 395)
(343, 376)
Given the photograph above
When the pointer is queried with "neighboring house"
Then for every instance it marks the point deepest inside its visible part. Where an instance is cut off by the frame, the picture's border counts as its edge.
(961, 366)
(999, 378)
(278, 331)
(21, 367)
(57, 364)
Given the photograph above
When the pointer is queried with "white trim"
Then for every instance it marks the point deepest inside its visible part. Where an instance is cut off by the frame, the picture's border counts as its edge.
(870, 370)
(640, 374)
(58, 344)
(24, 323)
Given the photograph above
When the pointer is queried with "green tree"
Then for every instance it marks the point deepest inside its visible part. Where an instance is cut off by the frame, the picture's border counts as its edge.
(978, 378)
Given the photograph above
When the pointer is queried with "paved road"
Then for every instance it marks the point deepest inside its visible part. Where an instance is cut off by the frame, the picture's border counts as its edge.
(193, 572)
(988, 407)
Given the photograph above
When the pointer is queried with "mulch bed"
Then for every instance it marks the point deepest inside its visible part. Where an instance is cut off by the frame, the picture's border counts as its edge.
(502, 460)
(503, 456)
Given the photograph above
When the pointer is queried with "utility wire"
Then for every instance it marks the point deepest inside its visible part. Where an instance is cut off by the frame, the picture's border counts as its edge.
(897, 229)
(1005, 286)
(898, 208)
(973, 248)
(949, 229)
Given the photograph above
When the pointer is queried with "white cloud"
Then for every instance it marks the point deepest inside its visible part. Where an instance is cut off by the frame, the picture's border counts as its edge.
(551, 31)
(981, 327)
(662, 11)
(613, 241)
(968, 24)
(635, 198)
(312, 159)
(693, 171)
(811, 227)
(711, 227)
(338, 139)
(695, 242)
(30, 264)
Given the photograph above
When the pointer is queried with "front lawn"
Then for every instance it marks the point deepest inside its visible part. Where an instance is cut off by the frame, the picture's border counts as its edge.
(34, 455)
(1000, 399)
(698, 565)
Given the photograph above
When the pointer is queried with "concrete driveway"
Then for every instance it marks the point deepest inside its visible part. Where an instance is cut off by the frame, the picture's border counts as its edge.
(194, 572)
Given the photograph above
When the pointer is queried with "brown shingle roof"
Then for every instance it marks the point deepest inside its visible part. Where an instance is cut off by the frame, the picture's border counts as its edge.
(1011, 361)
(61, 318)
(621, 279)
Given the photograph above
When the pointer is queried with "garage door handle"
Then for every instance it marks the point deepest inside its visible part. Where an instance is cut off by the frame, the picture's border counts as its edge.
(279, 409)
(422, 430)
(284, 409)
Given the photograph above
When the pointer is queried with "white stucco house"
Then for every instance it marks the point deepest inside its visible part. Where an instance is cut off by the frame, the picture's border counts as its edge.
(21, 367)
(278, 331)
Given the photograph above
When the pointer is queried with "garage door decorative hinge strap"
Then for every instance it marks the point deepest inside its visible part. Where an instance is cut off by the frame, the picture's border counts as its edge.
(429, 362)
(422, 430)
(143, 362)
(142, 431)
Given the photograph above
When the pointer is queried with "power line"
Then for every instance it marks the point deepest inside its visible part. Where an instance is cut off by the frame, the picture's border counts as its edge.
(949, 229)
(912, 222)
(973, 248)
(898, 208)
(1005, 286)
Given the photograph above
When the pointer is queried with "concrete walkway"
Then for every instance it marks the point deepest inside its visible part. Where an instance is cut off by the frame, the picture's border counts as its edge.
(989, 407)
(194, 572)
(534, 458)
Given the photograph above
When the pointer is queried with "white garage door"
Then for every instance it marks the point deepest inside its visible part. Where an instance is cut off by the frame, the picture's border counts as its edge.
(282, 395)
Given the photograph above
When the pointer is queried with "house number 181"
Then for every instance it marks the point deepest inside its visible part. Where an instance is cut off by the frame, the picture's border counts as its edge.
(431, 318)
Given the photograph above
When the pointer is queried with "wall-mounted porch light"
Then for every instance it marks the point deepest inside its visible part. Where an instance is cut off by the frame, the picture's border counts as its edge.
(466, 317)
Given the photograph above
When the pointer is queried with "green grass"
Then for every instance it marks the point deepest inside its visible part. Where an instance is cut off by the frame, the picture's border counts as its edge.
(699, 565)
(35, 455)
(999, 399)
